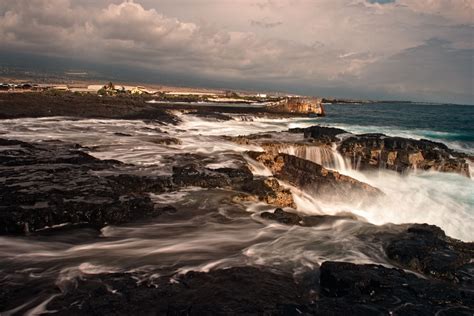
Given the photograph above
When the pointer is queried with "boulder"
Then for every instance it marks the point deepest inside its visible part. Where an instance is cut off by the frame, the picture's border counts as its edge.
(288, 218)
(426, 249)
(283, 217)
(321, 134)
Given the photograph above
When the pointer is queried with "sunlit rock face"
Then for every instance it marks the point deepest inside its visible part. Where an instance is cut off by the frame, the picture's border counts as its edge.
(314, 177)
(269, 191)
(402, 154)
(301, 106)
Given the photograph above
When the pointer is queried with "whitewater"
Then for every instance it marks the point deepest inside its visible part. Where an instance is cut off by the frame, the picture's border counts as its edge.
(209, 231)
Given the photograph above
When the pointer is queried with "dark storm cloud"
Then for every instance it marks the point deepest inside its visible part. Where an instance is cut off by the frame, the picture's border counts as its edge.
(364, 46)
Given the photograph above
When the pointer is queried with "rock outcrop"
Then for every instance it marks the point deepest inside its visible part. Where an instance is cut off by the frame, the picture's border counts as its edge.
(51, 183)
(320, 134)
(242, 291)
(299, 106)
(267, 190)
(401, 154)
(314, 177)
(288, 218)
(195, 175)
(374, 151)
(339, 288)
(426, 249)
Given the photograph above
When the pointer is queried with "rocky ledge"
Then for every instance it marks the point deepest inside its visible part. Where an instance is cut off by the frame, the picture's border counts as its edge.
(46, 104)
(313, 177)
(299, 106)
(427, 250)
(336, 288)
(51, 183)
(368, 151)
(402, 154)
(364, 151)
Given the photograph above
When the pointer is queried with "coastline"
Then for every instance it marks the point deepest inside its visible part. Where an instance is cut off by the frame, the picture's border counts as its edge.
(205, 196)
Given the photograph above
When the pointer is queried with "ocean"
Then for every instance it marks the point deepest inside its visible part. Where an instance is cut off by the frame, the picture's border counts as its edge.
(448, 123)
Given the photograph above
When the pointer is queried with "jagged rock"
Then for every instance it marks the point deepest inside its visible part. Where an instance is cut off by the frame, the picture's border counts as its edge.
(338, 289)
(244, 290)
(267, 190)
(377, 290)
(51, 183)
(192, 175)
(311, 176)
(249, 139)
(165, 141)
(426, 249)
(325, 135)
(288, 218)
(283, 217)
(195, 175)
(401, 154)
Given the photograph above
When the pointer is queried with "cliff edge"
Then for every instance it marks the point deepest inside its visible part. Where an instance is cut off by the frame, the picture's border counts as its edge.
(300, 106)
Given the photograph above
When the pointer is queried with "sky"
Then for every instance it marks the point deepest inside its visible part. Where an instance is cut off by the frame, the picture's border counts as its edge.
(418, 50)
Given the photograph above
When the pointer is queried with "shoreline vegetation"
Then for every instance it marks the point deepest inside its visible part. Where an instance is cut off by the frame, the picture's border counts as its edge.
(52, 188)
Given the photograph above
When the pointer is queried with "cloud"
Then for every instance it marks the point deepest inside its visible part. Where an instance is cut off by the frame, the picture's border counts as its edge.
(433, 68)
(264, 24)
(455, 11)
(326, 45)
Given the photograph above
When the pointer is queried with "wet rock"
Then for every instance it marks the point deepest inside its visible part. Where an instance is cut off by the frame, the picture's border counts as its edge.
(426, 249)
(249, 139)
(192, 175)
(164, 140)
(339, 288)
(211, 115)
(130, 183)
(122, 134)
(321, 134)
(195, 175)
(243, 290)
(237, 176)
(401, 154)
(374, 289)
(288, 218)
(283, 217)
(314, 177)
(267, 190)
(51, 183)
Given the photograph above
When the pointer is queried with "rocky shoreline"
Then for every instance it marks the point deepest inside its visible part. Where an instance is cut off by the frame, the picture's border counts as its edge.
(366, 151)
(49, 104)
(51, 187)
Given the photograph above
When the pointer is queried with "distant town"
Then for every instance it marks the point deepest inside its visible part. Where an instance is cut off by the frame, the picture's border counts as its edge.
(164, 93)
